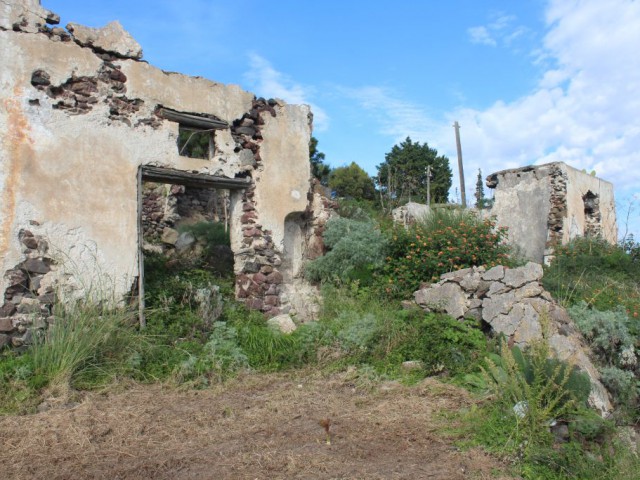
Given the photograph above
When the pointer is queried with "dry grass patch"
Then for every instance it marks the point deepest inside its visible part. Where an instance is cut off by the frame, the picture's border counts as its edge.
(256, 426)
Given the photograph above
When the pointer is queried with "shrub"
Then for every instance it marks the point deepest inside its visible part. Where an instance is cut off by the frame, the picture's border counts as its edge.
(221, 357)
(606, 332)
(593, 270)
(355, 248)
(445, 241)
(608, 335)
(623, 384)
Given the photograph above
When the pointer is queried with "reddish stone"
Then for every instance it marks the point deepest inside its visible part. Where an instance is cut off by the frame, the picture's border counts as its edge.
(17, 277)
(7, 309)
(272, 290)
(259, 278)
(247, 217)
(255, 289)
(254, 304)
(247, 207)
(275, 277)
(272, 300)
(241, 293)
(249, 232)
(6, 325)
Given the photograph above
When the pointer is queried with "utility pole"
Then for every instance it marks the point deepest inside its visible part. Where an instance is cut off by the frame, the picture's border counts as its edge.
(456, 126)
(428, 185)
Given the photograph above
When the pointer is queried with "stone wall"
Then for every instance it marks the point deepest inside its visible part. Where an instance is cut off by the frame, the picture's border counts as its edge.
(512, 302)
(165, 206)
(81, 114)
(546, 205)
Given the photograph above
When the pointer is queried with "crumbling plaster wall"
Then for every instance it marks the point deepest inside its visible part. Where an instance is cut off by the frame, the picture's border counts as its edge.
(543, 206)
(80, 116)
(578, 185)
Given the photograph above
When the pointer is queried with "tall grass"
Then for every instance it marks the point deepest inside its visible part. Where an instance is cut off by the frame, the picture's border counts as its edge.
(87, 343)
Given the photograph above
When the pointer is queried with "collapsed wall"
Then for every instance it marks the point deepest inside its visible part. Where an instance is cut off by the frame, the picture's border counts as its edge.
(547, 205)
(85, 121)
(512, 302)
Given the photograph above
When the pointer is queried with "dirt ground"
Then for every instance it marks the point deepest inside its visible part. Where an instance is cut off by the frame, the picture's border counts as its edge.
(255, 427)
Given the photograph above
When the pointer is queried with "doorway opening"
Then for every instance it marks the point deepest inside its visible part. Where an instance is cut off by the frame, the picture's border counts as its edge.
(184, 249)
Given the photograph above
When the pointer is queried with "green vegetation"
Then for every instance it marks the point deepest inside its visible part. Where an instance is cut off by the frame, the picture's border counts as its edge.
(352, 182)
(319, 169)
(356, 249)
(445, 241)
(599, 282)
(597, 272)
(402, 176)
(88, 346)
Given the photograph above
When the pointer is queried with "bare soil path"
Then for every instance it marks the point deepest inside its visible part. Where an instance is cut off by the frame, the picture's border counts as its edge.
(254, 427)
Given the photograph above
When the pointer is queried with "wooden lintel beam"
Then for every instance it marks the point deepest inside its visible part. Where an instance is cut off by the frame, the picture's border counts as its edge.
(189, 120)
(197, 180)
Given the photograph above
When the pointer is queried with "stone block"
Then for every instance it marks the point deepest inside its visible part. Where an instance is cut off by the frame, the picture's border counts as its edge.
(495, 273)
(6, 325)
(447, 298)
(516, 277)
(29, 305)
(275, 277)
(169, 236)
(498, 305)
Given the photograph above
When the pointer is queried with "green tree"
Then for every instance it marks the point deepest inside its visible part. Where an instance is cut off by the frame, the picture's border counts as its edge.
(403, 175)
(319, 169)
(481, 200)
(352, 182)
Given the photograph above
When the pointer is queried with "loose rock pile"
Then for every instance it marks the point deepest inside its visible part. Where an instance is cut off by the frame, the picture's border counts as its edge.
(512, 302)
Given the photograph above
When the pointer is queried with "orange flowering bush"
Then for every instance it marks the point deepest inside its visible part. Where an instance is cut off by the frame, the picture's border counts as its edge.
(427, 250)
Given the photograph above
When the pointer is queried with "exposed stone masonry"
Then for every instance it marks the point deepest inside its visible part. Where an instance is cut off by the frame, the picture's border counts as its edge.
(164, 206)
(29, 297)
(78, 95)
(592, 213)
(558, 211)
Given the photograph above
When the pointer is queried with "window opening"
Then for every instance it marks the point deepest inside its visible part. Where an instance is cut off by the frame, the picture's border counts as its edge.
(196, 143)
(195, 132)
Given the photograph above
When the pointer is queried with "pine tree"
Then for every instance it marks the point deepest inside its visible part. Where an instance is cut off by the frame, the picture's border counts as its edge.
(481, 200)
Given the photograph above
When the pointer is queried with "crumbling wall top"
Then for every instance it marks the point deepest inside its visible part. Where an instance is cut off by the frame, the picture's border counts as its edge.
(25, 15)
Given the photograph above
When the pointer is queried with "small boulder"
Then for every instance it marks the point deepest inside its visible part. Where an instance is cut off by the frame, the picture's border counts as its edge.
(283, 323)
(169, 236)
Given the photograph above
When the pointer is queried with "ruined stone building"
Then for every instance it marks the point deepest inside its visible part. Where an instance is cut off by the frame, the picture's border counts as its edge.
(84, 121)
(547, 205)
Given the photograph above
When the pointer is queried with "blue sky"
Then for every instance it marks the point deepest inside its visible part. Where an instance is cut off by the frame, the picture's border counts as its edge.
(529, 81)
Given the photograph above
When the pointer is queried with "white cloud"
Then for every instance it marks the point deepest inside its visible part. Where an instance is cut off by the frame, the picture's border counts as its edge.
(585, 111)
(270, 83)
(500, 29)
(482, 36)
(397, 118)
